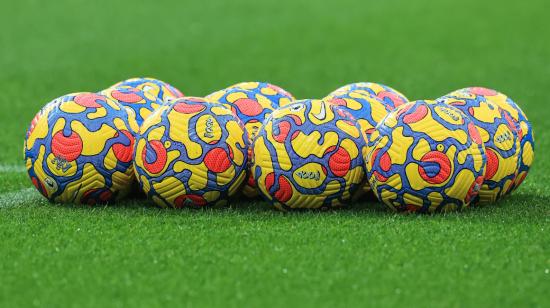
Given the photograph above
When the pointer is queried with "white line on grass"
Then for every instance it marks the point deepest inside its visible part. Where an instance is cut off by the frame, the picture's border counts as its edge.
(12, 169)
(18, 198)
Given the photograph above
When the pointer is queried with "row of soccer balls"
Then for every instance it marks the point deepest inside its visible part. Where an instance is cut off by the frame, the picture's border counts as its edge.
(472, 146)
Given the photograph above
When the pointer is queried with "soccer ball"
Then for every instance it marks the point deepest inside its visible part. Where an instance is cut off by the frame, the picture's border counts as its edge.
(278, 96)
(390, 96)
(525, 130)
(308, 155)
(367, 110)
(425, 157)
(140, 104)
(191, 153)
(252, 109)
(500, 138)
(79, 148)
(162, 90)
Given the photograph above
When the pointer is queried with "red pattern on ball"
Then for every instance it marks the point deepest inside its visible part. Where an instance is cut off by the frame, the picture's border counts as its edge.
(296, 119)
(385, 162)
(89, 100)
(269, 180)
(474, 189)
(249, 107)
(404, 109)
(67, 147)
(474, 133)
(417, 115)
(38, 184)
(33, 123)
(444, 167)
(396, 99)
(187, 108)
(412, 208)
(492, 164)
(482, 91)
(339, 162)
(284, 193)
(217, 160)
(512, 125)
(161, 157)
(104, 196)
(379, 177)
(126, 97)
(284, 129)
(251, 181)
(123, 152)
(338, 101)
(182, 201)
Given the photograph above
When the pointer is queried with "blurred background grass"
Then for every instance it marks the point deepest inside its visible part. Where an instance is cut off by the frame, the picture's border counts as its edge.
(423, 48)
(136, 255)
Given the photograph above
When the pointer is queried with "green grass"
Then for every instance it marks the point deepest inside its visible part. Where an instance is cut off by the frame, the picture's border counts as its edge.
(250, 255)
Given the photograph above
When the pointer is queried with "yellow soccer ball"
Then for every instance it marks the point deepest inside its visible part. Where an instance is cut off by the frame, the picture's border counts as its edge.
(309, 154)
(79, 150)
(524, 128)
(191, 153)
(425, 156)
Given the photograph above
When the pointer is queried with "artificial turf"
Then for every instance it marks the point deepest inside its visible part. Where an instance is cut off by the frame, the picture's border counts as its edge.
(250, 255)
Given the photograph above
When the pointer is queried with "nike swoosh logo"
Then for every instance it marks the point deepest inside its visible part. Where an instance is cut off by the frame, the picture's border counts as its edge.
(322, 114)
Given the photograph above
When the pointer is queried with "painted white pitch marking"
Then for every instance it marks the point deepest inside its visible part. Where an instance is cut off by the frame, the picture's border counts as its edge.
(12, 168)
(18, 197)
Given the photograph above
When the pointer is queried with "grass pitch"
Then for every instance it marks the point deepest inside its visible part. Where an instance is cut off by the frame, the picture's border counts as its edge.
(249, 255)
